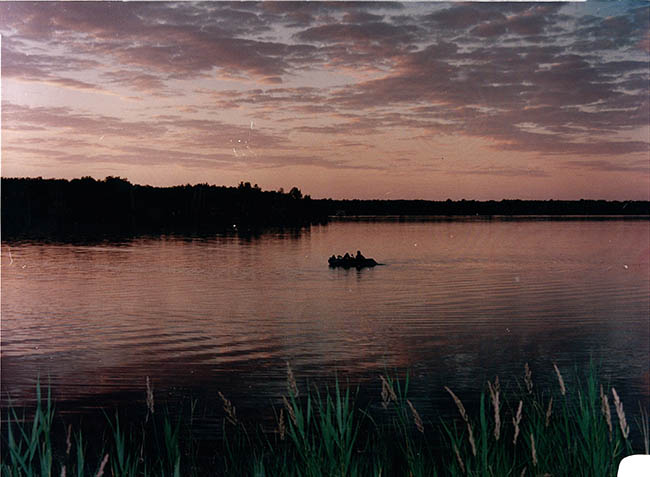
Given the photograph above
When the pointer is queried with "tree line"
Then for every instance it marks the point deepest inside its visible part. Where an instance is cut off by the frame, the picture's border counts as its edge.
(490, 208)
(45, 207)
(33, 207)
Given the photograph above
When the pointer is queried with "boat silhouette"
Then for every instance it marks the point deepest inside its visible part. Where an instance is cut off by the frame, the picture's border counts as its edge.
(348, 261)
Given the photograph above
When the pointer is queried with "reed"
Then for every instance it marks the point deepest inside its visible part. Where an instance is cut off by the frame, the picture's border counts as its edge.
(604, 401)
(644, 424)
(30, 446)
(625, 429)
(549, 412)
(150, 398)
(528, 378)
(327, 432)
(515, 422)
(560, 379)
(292, 386)
(495, 391)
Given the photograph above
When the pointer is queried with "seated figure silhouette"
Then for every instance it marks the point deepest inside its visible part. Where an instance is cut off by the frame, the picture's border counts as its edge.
(348, 261)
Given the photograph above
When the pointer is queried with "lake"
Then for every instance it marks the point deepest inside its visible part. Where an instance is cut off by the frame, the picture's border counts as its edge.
(455, 303)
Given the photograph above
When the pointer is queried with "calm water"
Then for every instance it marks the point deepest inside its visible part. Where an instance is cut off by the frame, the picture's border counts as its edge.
(455, 302)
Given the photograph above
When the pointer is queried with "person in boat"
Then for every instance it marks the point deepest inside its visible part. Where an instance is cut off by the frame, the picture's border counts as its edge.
(349, 260)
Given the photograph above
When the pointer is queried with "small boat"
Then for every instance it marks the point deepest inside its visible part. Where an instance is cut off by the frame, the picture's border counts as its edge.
(349, 261)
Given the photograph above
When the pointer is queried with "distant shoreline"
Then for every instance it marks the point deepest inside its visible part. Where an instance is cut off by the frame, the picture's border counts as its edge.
(486, 210)
(481, 218)
(37, 207)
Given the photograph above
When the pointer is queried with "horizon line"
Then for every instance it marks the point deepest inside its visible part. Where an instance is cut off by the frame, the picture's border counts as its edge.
(281, 189)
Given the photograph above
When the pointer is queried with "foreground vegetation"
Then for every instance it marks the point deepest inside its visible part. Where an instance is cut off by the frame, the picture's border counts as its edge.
(560, 431)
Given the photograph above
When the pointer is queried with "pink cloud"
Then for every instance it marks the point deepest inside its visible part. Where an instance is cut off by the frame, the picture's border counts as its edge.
(532, 78)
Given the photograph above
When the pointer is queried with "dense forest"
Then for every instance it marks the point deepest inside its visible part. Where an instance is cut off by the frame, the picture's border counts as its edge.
(36, 207)
(58, 207)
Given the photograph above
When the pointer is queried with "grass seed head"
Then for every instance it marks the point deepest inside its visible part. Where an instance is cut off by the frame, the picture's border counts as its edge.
(416, 417)
(645, 425)
(150, 402)
(68, 442)
(533, 451)
(459, 404)
(100, 472)
(549, 410)
(528, 378)
(494, 396)
(460, 461)
(625, 429)
(281, 426)
(229, 409)
(387, 392)
(604, 406)
(560, 380)
(472, 443)
(465, 417)
(292, 414)
(291, 382)
(516, 420)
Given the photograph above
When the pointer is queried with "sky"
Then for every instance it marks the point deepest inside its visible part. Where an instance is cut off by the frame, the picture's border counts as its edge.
(431, 100)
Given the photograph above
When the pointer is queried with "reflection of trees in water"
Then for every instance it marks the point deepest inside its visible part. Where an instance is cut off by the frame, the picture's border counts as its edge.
(114, 205)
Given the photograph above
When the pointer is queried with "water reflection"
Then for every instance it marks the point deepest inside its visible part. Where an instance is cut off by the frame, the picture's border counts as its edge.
(457, 303)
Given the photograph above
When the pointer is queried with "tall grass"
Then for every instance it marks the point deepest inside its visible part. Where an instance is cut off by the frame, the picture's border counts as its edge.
(30, 446)
(575, 430)
(557, 432)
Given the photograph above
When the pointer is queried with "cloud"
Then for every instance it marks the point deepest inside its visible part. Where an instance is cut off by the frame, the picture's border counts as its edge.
(167, 40)
(463, 16)
(304, 14)
(52, 118)
(147, 156)
(46, 69)
(486, 90)
(291, 160)
(503, 172)
(143, 82)
(192, 143)
(609, 166)
(551, 79)
(212, 134)
(357, 32)
(362, 45)
(178, 131)
(625, 31)
(358, 17)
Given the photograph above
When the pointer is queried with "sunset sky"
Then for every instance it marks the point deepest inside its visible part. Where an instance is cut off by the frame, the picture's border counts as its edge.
(367, 100)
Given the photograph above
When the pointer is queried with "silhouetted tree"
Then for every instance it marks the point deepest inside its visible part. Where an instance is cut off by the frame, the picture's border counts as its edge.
(39, 207)
(295, 193)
